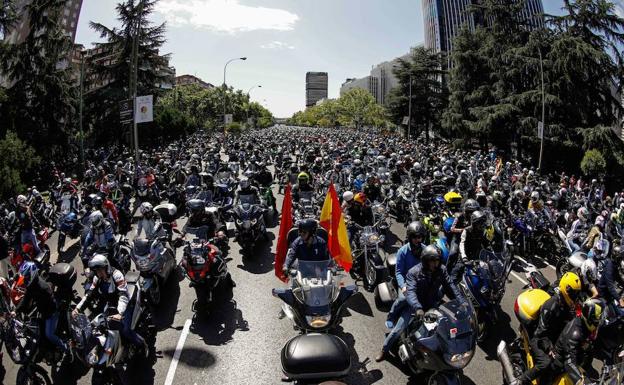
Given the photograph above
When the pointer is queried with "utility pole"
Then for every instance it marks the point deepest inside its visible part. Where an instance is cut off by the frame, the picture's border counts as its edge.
(539, 166)
(134, 79)
(82, 159)
(409, 124)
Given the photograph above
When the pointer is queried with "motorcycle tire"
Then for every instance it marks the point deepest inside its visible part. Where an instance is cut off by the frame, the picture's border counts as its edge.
(440, 379)
(103, 379)
(32, 375)
(562, 267)
(154, 293)
(371, 276)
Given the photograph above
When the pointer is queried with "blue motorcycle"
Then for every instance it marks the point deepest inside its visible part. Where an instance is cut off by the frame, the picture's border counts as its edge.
(484, 284)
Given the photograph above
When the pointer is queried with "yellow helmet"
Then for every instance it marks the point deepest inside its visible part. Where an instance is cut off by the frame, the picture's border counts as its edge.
(303, 176)
(570, 288)
(452, 197)
(591, 313)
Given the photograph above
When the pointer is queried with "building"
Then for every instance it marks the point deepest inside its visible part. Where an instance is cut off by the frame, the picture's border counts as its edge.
(316, 87)
(444, 19)
(69, 21)
(184, 80)
(380, 81)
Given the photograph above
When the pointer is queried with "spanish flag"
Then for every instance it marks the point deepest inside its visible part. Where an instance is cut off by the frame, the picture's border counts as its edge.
(332, 220)
(282, 242)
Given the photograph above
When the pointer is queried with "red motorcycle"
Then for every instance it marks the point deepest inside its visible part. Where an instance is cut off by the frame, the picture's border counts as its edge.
(27, 253)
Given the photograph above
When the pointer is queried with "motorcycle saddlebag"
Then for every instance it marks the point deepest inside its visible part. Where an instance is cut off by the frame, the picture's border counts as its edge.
(315, 356)
(528, 305)
(385, 295)
(62, 275)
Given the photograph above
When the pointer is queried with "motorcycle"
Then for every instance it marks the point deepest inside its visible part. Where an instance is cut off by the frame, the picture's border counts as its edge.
(27, 253)
(267, 200)
(70, 224)
(444, 343)
(484, 285)
(155, 261)
(368, 255)
(315, 299)
(249, 221)
(205, 267)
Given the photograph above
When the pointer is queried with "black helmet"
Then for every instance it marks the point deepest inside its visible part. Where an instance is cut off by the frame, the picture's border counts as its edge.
(308, 225)
(416, 229)
(478, 218)
(470, 206)
(97, 201)
(430, 253)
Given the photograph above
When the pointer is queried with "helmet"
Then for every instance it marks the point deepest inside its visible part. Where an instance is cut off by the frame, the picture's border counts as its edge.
(244, 183)
(582, 213)
(429, 254)
(416, 229)
(99, 261)
(21, 199)
(360, 198)
(599, 221)
(570, 288)
(535, 196)
(591, 314)
(470, 206)
(519, 194)
(417, 166)
(437, 174)
(146, 207)
(27, 273)
(97, 201)
(589, 270)
(96, 218)
(357, 162)
(303, 176)
(478, 218)
(347, 196)
(308, 225)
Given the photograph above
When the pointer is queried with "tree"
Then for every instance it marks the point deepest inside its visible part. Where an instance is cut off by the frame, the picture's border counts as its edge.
(113, 66)
(429, 94)
(358, 107)
(17, 159)
(7, 16)
(40, 92)
(593, 163)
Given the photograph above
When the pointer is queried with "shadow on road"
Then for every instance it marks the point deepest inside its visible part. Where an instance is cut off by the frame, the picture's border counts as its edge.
(193, 357)
(499, 332)
(260, 260)
(141, 373)
(360, 375)
(225, 318)
(70, 253)
(359, 304)
(165, 312)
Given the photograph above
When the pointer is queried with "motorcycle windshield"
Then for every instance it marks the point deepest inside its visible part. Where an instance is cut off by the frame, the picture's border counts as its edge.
(455, 330)
(200, 232)
(496, 268)
(306, 195)
(224, 176)
(316, 284)
(249, 199)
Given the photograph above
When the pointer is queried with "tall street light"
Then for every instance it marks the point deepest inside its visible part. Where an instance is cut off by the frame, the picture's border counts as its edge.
(225, 87)
(249, 100)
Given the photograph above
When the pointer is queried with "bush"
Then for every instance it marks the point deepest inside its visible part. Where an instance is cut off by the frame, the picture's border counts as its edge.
(593, 163)
(234, 128)
(17, 159)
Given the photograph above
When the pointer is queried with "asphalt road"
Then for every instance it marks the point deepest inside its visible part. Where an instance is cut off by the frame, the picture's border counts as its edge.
(240, 342)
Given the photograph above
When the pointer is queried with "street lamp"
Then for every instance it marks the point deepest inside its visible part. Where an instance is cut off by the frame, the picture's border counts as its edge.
(225, 87)
(249, 100)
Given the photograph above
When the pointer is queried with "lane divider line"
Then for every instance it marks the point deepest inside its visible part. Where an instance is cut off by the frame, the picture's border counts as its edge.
(178, 353)
(546, 262)
(519, 278)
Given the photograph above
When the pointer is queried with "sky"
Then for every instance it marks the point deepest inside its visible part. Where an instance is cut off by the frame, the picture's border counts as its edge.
(282, 40)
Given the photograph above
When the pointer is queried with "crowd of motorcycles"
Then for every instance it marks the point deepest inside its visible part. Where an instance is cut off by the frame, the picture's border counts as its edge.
(213, 180)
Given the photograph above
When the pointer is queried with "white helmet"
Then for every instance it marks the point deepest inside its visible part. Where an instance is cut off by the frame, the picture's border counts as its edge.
(535, 196)
(99, 261)
(589, 270)
(244, 183)
(96, 218)
(146, 207)
(582, 213)
(21, 199)
(347, 196)
(599, 221)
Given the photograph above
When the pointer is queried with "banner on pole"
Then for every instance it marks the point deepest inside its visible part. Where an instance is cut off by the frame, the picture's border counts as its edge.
(229, 118)
(144, 109)
(540, 130)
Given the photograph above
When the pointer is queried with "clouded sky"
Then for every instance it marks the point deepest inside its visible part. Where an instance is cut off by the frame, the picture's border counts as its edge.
(283, 39)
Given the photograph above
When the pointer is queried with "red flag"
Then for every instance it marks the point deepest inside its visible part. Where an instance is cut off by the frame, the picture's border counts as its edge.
(282, 241)
(332, 220)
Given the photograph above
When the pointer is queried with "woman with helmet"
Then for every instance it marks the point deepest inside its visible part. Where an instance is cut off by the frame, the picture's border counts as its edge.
(554, 314)
(38, 295)
(425, 283)
(589, 278)
(307, 246)
(109, 285)
(578, 232)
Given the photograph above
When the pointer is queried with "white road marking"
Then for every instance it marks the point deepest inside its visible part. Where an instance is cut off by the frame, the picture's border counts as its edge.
(519, 278)
(178, 352)
(547, 264)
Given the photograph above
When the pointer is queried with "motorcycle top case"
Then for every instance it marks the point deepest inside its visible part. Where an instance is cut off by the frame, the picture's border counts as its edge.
(315, 356)
(528, 305)
(62, 275)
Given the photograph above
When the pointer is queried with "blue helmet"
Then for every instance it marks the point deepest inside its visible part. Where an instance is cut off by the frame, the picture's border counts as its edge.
(28, 271)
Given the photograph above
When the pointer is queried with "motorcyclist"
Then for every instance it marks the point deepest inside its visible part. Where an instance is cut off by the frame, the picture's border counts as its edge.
(553, 316)
(150, 222)
(26, 220)
(68, 187)
(578, 231)
(110, 285)
(372, 189)
(463, 220)
(594, 241)
(407, 257)
(307, 246)
(303, 185)
(610, 282)
(193, 179)
(100, 235)
(107, 208)
(38, 294)
(516, 205)
(425, 284)
(199, 217)
(360, 212)
(473, 240)
(247, 193)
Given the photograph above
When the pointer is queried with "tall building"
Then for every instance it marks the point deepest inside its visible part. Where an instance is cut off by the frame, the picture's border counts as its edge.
(184, 80)
(316, 87)
(69, 21)
(444, 19)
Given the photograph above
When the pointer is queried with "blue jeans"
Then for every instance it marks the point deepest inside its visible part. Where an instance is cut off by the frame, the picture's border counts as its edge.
(573, 245)
(397, 307)
(29, 236)
(400, 325)
(50, 331)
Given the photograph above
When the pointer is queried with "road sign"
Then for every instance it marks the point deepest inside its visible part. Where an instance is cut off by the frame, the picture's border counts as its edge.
(144, 109)
(229, 119)
(405, 120)
(540, 130)
(125, 111)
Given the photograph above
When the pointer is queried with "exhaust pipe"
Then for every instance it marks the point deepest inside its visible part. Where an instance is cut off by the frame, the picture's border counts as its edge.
(503, 357)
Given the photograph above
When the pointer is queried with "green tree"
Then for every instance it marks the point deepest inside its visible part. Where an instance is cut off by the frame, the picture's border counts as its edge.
(593, 163)
(41, 93)
(17, 159)
(358, 107)
(113, 66)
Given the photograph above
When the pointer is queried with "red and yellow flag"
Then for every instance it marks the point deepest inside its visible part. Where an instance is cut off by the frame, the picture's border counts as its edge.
(282, 241)
(332, 220)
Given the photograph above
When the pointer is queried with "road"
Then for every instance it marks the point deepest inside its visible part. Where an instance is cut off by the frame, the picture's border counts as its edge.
(240, 342)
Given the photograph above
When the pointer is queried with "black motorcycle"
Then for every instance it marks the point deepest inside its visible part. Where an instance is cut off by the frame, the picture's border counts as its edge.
(250, 228)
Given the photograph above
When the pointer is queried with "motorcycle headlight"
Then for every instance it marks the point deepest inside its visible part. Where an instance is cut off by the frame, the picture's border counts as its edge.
(318, 321)
(254, 221)
(239, 222)
(460, 361)
(373, 238)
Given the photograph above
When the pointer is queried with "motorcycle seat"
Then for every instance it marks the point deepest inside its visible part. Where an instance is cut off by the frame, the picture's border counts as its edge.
(132, 276)
(62, 275)
(313, 356)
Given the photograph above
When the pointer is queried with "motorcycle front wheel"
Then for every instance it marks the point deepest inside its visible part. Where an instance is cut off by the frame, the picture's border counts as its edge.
(32, 375)
(371, 275)
(154, 292)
